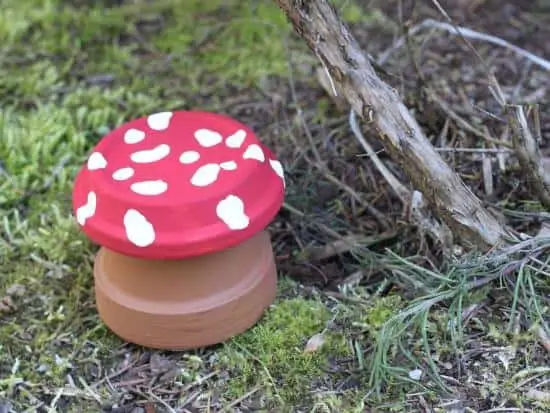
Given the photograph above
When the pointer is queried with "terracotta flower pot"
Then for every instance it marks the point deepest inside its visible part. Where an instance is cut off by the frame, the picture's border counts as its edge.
(180, 202)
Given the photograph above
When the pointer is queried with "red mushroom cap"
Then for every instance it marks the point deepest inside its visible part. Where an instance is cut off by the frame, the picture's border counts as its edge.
(177, 184)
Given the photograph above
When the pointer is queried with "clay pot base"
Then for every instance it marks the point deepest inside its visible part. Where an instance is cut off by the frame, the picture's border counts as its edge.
(197, 302)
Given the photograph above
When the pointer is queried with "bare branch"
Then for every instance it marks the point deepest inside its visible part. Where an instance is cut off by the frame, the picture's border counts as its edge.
(528, 154)
(373, 100)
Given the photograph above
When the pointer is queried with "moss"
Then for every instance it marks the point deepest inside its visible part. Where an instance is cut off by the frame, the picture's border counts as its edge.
(241, 45)
(382, 309)
(373, 315)
(271, 355)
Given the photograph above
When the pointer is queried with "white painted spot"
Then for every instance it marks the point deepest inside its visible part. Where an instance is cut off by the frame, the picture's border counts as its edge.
(159, 121)
(123, 174)
(189, 157)
(139, 230)
(155, 187)
(96, 161)
(151, 155)
(236, 140)
(278, 169)
(231, 211)
(229, 165)
(207, 138)
(206, 174)
(133, 136)
(254, 152)
(86, 211)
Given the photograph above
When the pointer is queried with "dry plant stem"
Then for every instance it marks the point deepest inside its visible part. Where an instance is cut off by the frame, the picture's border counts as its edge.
(528, 154)
(321, 167)
(415, 201)
(354, 77)
(459, 120)
(400, 190)
(327, 230)
(342, 243)
(325, 81)
(465, 33)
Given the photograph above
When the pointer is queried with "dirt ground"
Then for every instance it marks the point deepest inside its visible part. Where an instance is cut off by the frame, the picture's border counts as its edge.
(387, 325)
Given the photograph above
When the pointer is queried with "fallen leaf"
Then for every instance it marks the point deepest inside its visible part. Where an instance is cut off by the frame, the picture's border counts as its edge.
(314, 343)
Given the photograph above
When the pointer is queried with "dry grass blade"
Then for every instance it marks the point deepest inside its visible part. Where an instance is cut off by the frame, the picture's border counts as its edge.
(487, 169)
(343, 245)
(467, 33)
(459, 120)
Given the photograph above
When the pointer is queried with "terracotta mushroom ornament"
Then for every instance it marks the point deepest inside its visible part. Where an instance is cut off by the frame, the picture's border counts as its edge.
(180, 202)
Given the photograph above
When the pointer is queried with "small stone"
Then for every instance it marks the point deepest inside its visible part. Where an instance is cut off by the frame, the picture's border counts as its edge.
(415, 374)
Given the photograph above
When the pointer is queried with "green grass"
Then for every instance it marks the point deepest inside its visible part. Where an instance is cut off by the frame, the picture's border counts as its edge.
(72, 71)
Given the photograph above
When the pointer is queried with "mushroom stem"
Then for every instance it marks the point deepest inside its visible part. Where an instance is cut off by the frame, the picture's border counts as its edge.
(193, 302)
